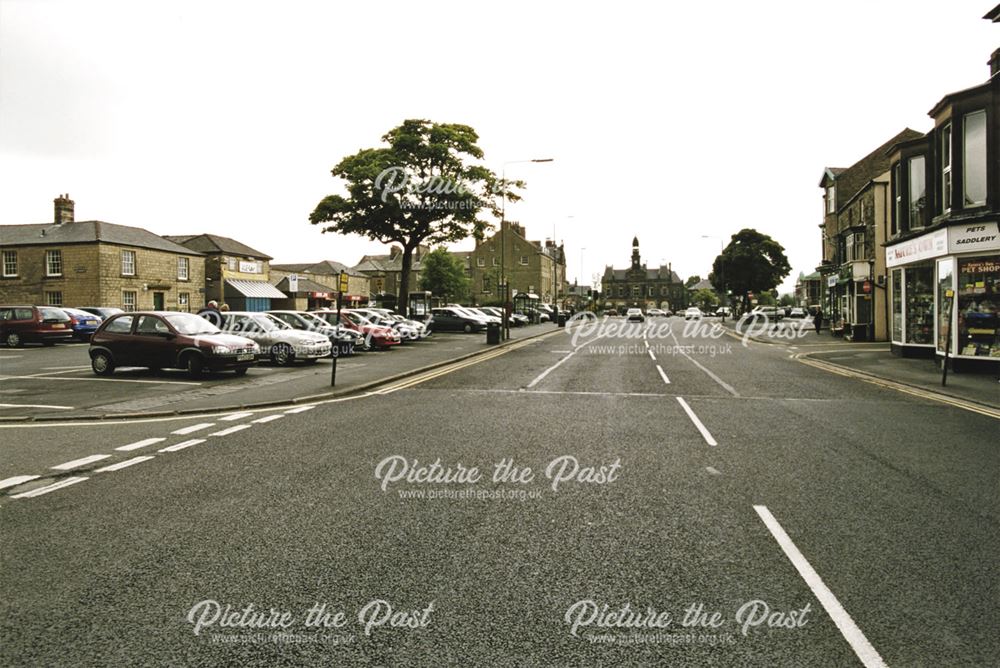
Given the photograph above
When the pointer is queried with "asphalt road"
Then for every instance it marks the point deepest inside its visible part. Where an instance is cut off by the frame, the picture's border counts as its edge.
(827, 521)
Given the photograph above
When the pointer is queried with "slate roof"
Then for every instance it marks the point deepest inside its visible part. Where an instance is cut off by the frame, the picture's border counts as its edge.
(88, 231)
(305, 285)
(211, 244)
(323, 268)
(651, 274)
(703, 284)
(384, 263)
(861, 173)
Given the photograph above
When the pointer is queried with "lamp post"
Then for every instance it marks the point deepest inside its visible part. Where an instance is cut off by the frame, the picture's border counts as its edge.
(722, 276)
(503, 242)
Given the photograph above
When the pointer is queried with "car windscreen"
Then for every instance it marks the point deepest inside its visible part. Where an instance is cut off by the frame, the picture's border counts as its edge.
(357, 318)
(190, 324)
(52, 314)
(314, 321)
(268, 323)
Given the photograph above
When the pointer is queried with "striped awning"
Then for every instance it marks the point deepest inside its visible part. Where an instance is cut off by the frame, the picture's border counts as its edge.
(256, 289)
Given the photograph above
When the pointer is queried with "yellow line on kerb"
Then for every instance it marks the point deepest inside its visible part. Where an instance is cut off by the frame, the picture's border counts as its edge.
(899, 387)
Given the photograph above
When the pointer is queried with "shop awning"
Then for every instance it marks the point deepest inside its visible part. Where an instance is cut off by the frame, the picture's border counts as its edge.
(256, 289)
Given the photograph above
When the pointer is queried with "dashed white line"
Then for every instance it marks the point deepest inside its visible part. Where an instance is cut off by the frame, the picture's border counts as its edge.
(651, 355)
(124, 464)
(232, 430)
(301, 409)
(857, 640)
(663, 374)
(712, 470)
(269, 418)
(235, 416)
(193, 428)
(181, 446)
(726, 386)
(50, 488)
(55, 408)
(16, 480)
(80, 462)
(140, 444)
(697, 423)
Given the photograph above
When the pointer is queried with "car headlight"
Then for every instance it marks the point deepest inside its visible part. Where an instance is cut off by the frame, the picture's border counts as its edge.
(221, 350)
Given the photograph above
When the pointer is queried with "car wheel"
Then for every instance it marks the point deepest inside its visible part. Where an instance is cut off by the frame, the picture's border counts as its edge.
(467, 329)
(282, 354)
(13, 340)
(242, 371)
(102, 364)
(194, 365)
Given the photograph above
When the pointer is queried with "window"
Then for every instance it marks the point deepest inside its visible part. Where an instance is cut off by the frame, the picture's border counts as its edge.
(10, 263)
(651, 292)
(897, 211)
(621, 291)
(480, 262)
(831, 199)
(918, 191)
(128, 300)
(468, 261)
(856, 247)
(493, 248)
(635, 290)
(151, 325)
(979, 307)
(524, 260)
(53, 263)
(183, 266)
(486, 283)
(897, 305)
(946, 168)
(183, 300)
(663, 291)
(54, 298)
(128, 263)
(974, 159)
(120, 325)
(945, 306)
(231, 264)
(496, 262)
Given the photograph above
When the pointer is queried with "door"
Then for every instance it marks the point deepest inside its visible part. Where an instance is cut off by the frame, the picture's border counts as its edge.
(153, 345)
(158, 304)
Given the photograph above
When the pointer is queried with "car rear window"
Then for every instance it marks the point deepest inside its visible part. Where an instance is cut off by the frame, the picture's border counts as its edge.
(119, 325)
(52, 314)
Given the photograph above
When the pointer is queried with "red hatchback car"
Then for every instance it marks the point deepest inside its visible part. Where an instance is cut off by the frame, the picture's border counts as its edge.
(376, 336)
(168, 340)
(34, 324)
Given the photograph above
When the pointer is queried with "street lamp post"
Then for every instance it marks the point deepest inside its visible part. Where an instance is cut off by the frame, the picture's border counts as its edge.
(504, 291)
(722, 275)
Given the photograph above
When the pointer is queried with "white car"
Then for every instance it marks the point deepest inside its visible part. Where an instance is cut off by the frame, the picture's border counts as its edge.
(655, 312)
(634, 315)
(276, 339)
(692, 313)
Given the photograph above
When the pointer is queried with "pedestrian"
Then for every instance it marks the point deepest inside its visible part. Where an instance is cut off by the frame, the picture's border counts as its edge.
(211, 313)
(818, 319)
(224, 308)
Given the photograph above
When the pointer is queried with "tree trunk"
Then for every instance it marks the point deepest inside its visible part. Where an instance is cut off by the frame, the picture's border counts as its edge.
(404, 281)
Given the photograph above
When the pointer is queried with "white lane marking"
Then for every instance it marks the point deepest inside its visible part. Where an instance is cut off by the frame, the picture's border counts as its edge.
(102, 380)
(697, 423)
(712, 470)
(10, 357)
(663, 374)
(49, 488)
(726, 386)
(124, 464)
(57, 408)
(193, 428)
(235, 416)
(58, 368)
(651, 355)
(181, 446)
(232, 430)
(555, 366)
(561, 352)
(80, 462)
(857, 640)
(16, 480)
(139, 444)
(269, 418)
(301, 409)
(49, 374)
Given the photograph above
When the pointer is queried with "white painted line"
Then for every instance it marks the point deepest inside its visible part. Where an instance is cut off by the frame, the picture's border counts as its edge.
(301, 409)
(552, 368)
(181, 446)
(232, 430)
(726, 386)
(58, 408)
(269, 418)
(235, 416)
(697, 423)
(58, 368)
(712, 470)
(193, 428)
(561, 352)
(49, 488)
(857, 640)
(80, 462)
(651, 355)
(663, 375)
(124, 464)
(140, 444)
(16, 480)
(102, 380)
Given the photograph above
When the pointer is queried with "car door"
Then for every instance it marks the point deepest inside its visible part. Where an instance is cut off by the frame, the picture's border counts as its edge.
(153, 343)
(117, 337)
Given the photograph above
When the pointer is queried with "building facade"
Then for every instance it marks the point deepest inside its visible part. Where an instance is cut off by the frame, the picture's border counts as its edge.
(531, 267)
(318, 283)
(93, 263)
(642, 287)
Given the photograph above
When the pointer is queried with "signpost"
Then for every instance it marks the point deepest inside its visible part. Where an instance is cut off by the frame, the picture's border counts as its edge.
(335, 349)
(293, 283)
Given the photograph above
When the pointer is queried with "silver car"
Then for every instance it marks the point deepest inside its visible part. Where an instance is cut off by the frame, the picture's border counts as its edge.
(277, 340)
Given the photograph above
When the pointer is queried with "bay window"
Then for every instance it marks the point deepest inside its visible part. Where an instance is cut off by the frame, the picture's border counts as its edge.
(974, 159)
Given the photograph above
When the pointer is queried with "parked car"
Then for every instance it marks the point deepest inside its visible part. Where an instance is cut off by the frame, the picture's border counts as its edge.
(634, 315)
(797, 312)
(450, 319)
(611, 312)
(375, 336)
(489, 317)
(344, 339)
(34, 324)
(103, 312)
(279, 342)
(655, 313)
(378, 317)
(692, 313)
(515, 320)
(771, 312)
(167, 339)
(84, 324)
(724, 311)
(421, 329)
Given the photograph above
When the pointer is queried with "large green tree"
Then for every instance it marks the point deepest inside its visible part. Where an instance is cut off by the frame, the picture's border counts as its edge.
(704, 298)
(424, 187)
(692, 281)
(752, 262)
(444, 275)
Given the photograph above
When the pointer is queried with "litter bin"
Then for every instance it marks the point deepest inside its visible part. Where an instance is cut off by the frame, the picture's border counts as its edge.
(492, 333)
(562, 319)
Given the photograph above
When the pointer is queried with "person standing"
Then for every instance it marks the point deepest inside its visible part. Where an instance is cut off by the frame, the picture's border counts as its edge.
(818, 319)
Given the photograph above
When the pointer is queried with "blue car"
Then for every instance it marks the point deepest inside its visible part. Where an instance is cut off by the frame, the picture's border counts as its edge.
(84, 324)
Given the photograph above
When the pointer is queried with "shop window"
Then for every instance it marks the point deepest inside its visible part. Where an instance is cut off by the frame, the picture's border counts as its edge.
(974, 159)
(978, 304)
(919, 305)
(897, 305)
(945, 271)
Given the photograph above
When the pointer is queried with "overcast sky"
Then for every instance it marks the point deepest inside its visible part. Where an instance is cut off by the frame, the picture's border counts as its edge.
(666, 123)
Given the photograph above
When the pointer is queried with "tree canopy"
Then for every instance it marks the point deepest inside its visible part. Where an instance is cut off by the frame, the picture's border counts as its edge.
(443, 274)
(424, 187)
(752, 262)
(692, 281)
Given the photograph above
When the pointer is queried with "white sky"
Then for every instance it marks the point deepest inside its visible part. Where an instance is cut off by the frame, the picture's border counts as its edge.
(665, 122)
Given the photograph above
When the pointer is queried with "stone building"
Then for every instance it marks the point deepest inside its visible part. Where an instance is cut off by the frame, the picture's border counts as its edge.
(93, 263)
(642, 287)
(531, 267)
(318, 284)
(385, 272)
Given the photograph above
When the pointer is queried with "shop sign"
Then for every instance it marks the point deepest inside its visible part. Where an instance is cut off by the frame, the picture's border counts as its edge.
(319, 295)
(921, 248)
(831, 280)
(249, 267)
(293, 282)
(973, 238)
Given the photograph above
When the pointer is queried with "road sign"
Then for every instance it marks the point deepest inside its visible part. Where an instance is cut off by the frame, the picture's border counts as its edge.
(343, 282)
(293, 282)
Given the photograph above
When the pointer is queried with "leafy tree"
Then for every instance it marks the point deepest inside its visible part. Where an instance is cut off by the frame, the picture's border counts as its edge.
(692, 281)
(422, 188)
(787, 299)
(766, 299)
(704, 298)
(752, 262)
(444, 275)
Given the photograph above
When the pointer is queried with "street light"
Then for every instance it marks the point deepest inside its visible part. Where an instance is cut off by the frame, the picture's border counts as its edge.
(722, 276)
(503, 240)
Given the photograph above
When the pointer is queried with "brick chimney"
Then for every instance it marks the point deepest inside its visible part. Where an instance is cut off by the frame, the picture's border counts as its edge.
(995, 62)
(394, 251)
(63, 209)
